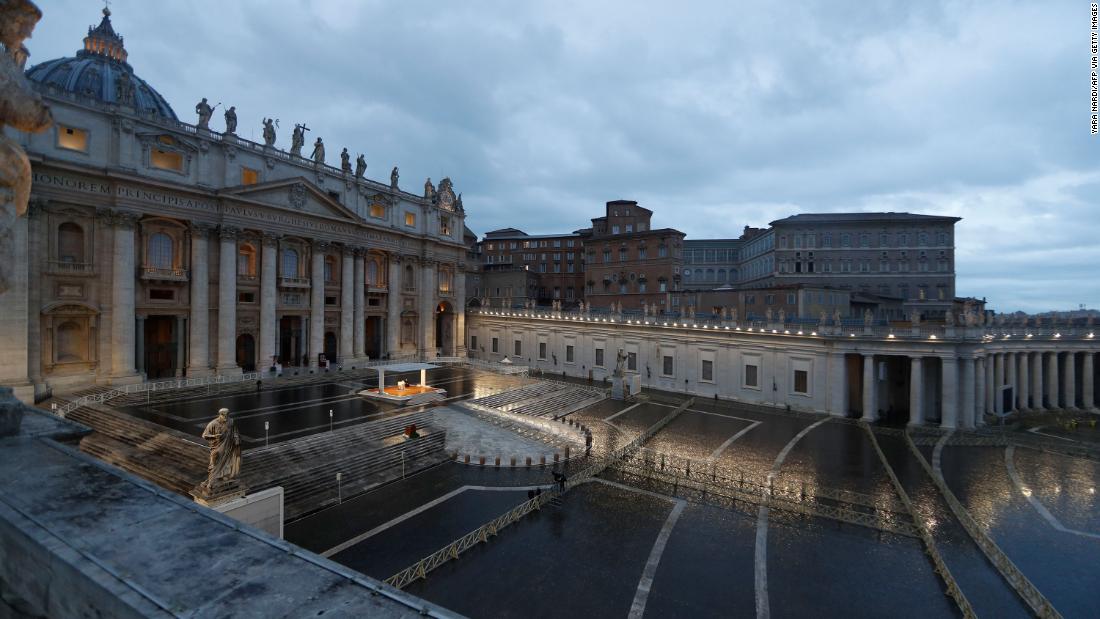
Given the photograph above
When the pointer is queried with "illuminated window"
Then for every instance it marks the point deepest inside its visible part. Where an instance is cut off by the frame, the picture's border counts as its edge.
(377, 210)
(249, 176)
(246, 260)
(410, 219)
(71, 138)
(166, 160)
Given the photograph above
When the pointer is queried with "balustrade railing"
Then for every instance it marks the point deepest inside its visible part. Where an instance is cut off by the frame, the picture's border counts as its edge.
(169, 273)
(67, 268)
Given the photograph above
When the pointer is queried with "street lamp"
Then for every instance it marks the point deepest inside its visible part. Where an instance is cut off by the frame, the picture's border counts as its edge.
(330, 420)
(339, 494)
(267, 426)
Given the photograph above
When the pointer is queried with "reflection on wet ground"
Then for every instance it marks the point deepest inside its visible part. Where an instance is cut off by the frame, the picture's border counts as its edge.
(589, 556)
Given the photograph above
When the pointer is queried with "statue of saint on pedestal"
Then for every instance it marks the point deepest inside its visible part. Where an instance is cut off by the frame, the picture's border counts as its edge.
(318, 154)
(298, 139)
(360, 166)
(203, 109)
(269, 132)
(224, 468)
(22, 109)
(394, 176)
(620, 364)
(345, 161)
(429, 189)
(231, 120)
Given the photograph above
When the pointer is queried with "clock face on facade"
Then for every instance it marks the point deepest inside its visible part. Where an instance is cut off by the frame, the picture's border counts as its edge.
(447, 200)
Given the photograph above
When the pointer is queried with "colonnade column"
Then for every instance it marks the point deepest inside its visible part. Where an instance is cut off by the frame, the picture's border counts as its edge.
(990, 383)
(227, 301)
(1053, 401)
(1037, 380)
(460, 310)
(427, 290)
(347, 306)
(838, 384)
(122, 297)
(1088, 396)
(916, 391)
(317, 302)
(140, 337)
(998, 380)
(393, 307)
(870, 410)
(358, 290)
(966, 415)
(950, 414)
(180, 359)
(268, 302)
(1069, 378)
(1010, 378)
(198, 343)
(1023, 382)
(979, 391)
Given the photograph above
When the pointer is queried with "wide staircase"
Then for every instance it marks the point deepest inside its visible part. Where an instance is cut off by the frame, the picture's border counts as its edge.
(166, 457)
(364, 455)
(544, 399)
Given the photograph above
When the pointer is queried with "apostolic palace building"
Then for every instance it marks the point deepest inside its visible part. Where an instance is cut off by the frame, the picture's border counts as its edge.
(158, 248)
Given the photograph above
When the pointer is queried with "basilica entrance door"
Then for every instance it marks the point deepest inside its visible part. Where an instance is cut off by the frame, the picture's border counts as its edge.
(290, 340)
(246, 352)
(160, 347)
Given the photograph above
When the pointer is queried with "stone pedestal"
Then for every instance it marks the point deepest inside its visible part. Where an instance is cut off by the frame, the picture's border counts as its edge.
(221, 492)
(11, 413)
(617, 388)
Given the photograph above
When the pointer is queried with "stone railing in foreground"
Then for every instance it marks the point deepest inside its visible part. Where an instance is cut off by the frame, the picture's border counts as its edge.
(953, 588)
(153, 387)
(480, 535)
(59, 524)
(1039, 604)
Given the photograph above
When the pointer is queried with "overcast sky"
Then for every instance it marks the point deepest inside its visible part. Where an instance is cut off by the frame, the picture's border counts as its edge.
(715, 115)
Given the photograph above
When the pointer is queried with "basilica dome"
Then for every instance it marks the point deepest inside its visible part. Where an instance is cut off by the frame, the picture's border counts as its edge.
(100, 71)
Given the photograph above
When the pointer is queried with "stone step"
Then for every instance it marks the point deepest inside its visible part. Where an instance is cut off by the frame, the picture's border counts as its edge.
(166, 472)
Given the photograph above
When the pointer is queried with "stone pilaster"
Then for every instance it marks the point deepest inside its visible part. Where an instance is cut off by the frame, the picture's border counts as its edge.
(181, 347)
(990, 383)
(227, 301)
(347, 305)
(393, 307)
(916, 391)
(317, 302)
(870, 404)
(123, 321)
(269, 294)
(359, 318)
(838, 385)
(15, 308)
(950, 397)
(198, 358)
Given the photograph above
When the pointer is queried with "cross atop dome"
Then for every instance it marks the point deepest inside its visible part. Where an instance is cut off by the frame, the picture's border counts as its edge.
(102, 40)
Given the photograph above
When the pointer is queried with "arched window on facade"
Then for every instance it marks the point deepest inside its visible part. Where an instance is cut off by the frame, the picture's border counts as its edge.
(410, 278)
(372, 273)
(246, 260)
(445, 280)
(160, 251)
(290, 263)
(70, 342)
(70, 243)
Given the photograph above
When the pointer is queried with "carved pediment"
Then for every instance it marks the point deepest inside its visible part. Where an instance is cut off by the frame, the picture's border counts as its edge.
(295, 194)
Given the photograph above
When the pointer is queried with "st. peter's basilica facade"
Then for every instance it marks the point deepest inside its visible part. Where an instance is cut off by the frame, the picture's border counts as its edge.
(155, 248)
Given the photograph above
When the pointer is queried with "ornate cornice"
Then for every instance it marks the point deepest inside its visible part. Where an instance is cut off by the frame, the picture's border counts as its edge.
(271, 240)
(227, 233)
